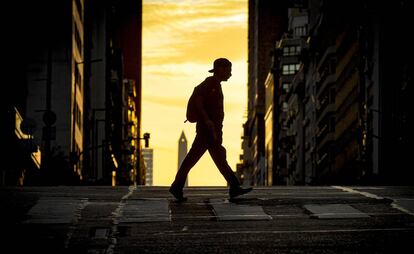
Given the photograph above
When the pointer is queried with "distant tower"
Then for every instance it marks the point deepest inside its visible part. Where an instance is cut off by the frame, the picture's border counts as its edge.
(182, 151)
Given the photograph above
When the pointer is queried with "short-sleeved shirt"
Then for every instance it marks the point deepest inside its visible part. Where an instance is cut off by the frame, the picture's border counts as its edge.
(212, 94)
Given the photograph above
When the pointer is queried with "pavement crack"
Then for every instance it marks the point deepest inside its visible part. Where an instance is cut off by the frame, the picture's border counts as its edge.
(76, 218)
(116, 215)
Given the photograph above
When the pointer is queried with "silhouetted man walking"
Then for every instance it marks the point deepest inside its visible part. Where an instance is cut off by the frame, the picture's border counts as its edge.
(209, 105)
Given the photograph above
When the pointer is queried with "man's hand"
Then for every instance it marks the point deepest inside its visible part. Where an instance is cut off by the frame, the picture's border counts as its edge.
(211, 126)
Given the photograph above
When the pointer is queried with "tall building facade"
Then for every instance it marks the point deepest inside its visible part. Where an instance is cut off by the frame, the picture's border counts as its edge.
(77, 100)
(336, 102)
(51, 86)
(287, 158)
(114, 85)
(266, 24)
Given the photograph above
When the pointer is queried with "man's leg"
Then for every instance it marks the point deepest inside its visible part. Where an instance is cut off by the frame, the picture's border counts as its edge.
(197, 150)
(218, 154)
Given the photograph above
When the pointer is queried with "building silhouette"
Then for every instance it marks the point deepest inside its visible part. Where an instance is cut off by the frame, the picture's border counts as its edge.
(76, 94)
(113, 47)
(182, 151)
(328, 97)
(267, 21)
(48, 51)
(286, 108)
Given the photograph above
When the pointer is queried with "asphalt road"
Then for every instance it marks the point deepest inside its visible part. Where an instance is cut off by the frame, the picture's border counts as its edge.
(98, 219)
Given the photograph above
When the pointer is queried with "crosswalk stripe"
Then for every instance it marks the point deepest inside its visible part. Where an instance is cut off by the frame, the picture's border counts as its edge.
(54, 210)
(404, 205)
(335, 211)
(145, 210)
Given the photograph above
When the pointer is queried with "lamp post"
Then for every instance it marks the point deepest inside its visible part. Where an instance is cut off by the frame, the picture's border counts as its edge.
(146, 138)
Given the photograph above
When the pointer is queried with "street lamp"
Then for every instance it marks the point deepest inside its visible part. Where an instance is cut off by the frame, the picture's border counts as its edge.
(146, 138)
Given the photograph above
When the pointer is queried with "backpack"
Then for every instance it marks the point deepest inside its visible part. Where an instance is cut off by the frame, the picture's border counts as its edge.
(192, 112)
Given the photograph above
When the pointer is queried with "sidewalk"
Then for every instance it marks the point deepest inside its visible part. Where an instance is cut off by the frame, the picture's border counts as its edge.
(330, 219)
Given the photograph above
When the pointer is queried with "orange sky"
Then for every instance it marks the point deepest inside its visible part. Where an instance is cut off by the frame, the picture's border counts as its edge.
(181, 39)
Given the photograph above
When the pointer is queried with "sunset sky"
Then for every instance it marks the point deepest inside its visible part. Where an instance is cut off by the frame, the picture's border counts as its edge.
(181, 39)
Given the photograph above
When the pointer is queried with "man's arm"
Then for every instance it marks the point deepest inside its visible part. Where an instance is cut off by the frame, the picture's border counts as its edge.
(204, 116)
(200, 108)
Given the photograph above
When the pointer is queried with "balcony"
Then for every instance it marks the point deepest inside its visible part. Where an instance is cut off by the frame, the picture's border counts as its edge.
(326, 56)
(327, 109)
(325, 83)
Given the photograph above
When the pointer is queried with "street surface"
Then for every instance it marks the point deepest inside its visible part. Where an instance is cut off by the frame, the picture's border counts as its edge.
(293, 219)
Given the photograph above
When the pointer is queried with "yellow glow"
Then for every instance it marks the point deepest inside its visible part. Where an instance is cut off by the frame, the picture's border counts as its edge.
(181, 39)
(113, 178)
(114, 160)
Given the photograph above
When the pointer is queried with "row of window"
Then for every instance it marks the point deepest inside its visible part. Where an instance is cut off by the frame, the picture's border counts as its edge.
(290, 69)
(301, 31)
(291, 50)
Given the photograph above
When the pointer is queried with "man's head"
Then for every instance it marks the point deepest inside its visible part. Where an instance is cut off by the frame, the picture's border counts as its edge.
(221, 69)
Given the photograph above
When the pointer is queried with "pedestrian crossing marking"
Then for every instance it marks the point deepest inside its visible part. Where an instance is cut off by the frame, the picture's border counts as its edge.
(54, 210)
(145, 210)
(334, 211)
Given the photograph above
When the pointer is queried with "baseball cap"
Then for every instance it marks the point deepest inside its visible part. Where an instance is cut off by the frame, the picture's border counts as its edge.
(220, 62)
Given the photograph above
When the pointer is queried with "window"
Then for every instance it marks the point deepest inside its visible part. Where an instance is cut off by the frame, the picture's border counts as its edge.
(332, 123)
(285, 87)
(290, 69)
(291, 50)
(285, 107)
(300, 31)
(332, 95)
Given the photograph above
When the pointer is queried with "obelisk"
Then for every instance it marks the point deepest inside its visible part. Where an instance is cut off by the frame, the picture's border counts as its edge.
(182, 151)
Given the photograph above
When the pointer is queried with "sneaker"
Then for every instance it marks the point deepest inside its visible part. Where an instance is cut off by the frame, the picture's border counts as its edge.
(237, 191)
(178, 194)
